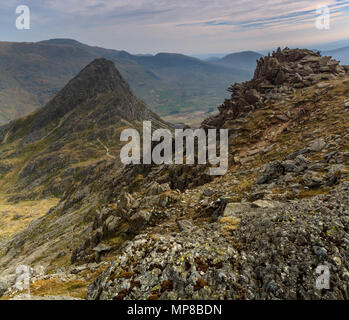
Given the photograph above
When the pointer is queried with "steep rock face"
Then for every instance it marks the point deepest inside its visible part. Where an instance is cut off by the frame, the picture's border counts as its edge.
(275, 75)
(83, 95)
(81, 123)
(98, 77)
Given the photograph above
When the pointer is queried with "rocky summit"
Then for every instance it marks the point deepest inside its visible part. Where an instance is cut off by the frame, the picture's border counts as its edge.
(261, 231)
(277, 75)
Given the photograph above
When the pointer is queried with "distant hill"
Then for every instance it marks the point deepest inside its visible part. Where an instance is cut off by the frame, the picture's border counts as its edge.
(31, 73)
(245, 60)
(341, 54)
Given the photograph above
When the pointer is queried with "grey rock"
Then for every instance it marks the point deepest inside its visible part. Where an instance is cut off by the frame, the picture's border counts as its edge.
(184, 225)
(317, 145)
(236, 209)
(208, 192)
(321, 253)
(102, 248)
(3, 287)
(271, 171)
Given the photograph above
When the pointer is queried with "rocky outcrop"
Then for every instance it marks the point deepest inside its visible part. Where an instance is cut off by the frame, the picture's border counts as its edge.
(276, 250)
(192, 264)
(274, 76)
(173, 232)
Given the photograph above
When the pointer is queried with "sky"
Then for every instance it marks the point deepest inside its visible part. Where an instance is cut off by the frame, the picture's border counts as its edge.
(185, 26)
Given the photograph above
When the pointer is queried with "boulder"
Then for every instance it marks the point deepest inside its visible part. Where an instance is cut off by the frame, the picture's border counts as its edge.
(270, 172)
(252, 96)
(156, 189)
(312, 180)
(139, 220)
(184, 225)
(317, 145)
(236, 209)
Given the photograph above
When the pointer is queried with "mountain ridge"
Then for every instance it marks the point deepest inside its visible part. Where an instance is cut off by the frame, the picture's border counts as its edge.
(82, 123)
(172, 232)
(340, 54)
(244, 60)
(33, 72)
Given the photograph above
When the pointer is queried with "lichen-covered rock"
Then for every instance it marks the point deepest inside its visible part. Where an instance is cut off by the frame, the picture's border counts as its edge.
(194, 264)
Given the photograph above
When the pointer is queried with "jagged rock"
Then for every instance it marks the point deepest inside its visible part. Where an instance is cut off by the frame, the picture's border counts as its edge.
(271, 171)
(321, 253)
(313, 180)
(252, 96)
(302, 162)
(79, 269)
(323, 85)
(184, 225)
(290, 166)
(102, 248)
(139, 220)
(125, 203)
(208, 192)
(280, 78)
(187, 265)
(236, 209)
(333, 175)
(111, 225)
(330, 156)
(156, 189)
(317, 145)
(296, 153)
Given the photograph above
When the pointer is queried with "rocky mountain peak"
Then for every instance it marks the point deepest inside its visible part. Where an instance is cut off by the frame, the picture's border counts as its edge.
(278, 73)
(296, 67)
(100, 76)
(96, 84)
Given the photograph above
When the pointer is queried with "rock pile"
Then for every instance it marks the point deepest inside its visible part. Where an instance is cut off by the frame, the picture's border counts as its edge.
(275, 76)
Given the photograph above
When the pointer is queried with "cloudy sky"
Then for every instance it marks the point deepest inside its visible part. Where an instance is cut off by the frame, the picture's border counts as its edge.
(187, 26)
